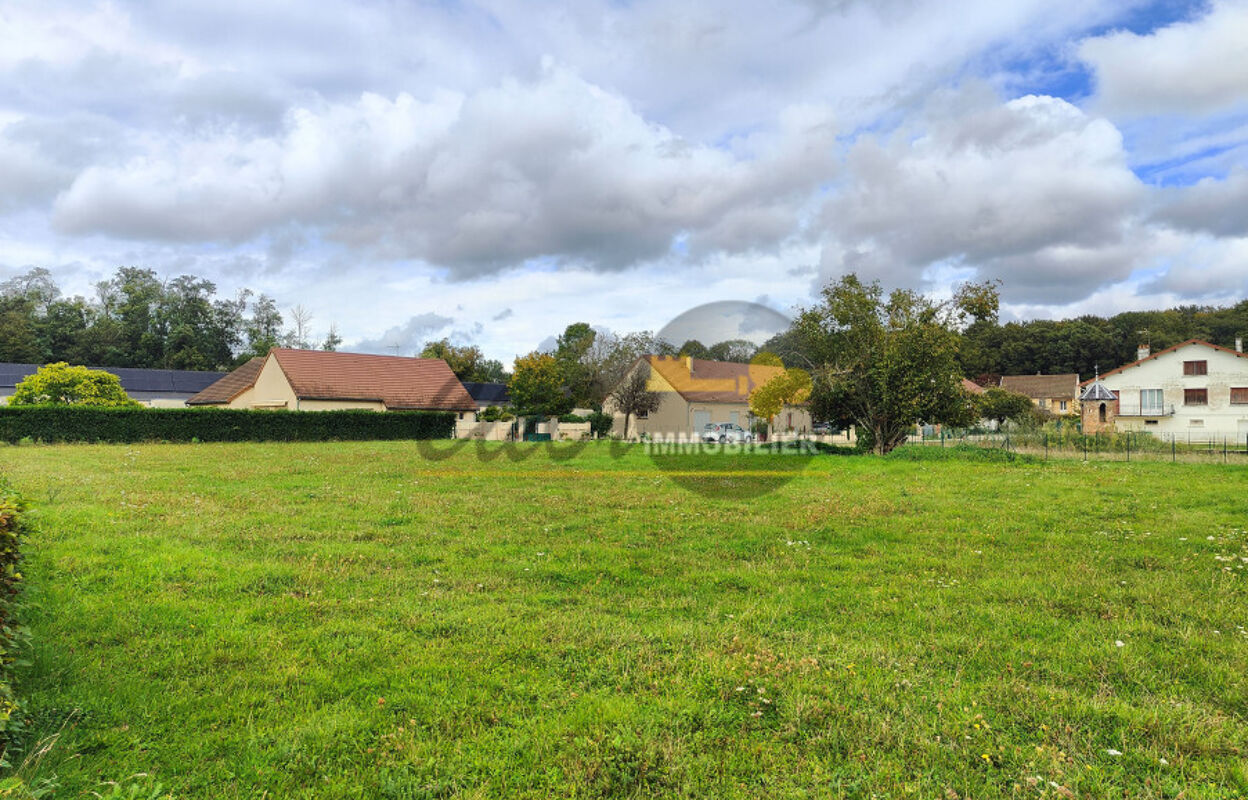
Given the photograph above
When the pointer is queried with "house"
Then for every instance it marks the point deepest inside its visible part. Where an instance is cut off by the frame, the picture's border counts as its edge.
(695, 392)
(1057, 394)
(159, 388)
(1194, 391)
(318, 380)
(488, 394)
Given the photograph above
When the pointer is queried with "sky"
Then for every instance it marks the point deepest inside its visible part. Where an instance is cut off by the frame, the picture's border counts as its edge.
(493, 171)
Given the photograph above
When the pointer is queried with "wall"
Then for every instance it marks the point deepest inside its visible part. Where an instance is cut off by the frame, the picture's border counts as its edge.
(487, 431)
(1217, 420)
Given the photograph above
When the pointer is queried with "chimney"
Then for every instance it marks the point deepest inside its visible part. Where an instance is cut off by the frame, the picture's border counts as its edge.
(1142, 352)
(1239, 344)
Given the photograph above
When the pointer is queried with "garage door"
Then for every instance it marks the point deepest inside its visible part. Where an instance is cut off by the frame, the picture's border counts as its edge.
(700, 420)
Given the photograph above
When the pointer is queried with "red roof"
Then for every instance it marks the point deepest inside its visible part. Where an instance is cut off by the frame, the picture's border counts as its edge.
(1170, 349)
(971, 386)
(397, 381)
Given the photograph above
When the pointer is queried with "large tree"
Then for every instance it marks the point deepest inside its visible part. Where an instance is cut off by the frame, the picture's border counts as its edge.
(573, 353)
(787, 387)
(885, 363)
(536, 386)
(466, 361)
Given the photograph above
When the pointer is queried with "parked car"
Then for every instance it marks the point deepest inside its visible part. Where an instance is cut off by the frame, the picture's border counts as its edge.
(725, 432)
(823, 429)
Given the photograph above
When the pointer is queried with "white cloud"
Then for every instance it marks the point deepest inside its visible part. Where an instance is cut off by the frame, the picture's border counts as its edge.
(1218, 207)
(1033, 192)
(1194, 67)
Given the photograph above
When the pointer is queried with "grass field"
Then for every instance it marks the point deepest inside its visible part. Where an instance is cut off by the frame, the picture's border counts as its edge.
(354, 620)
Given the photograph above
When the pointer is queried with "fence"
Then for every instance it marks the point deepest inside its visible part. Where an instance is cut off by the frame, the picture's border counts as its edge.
(1104, 446)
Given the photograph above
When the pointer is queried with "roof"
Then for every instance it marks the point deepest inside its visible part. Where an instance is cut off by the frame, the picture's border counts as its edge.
(230, 385)
(148, 381)
(399, 382)
(1171, 349)
(971, 386)
(1040, 387)
(701, 381)
(492, 393)
(1097, 392)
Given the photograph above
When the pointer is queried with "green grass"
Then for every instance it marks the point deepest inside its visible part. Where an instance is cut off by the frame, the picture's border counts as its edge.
(354, 620)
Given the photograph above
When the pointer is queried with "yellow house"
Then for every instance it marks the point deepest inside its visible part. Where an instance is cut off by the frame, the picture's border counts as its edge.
(695, 392)
(316, 380)
(1057, 394)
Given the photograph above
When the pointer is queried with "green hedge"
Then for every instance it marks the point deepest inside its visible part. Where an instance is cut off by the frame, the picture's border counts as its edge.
(71, 424)
(13, 636)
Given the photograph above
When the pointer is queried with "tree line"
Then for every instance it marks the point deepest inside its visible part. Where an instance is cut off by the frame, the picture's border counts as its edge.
(136, 319)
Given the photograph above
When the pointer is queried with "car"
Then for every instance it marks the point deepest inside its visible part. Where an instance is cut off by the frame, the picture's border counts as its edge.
(823, 429)
(725, 432)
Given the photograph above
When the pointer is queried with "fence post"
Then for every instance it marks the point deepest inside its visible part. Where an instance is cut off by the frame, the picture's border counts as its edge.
(1046, 447)
(1173, 448)
(942, 435)
(1128, 446)
(1223, 449)
(1085, 446)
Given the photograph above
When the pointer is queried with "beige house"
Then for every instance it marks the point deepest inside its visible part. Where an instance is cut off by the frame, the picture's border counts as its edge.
(1194, 391)
(696, 392)
(1057, 394)
(316, 380)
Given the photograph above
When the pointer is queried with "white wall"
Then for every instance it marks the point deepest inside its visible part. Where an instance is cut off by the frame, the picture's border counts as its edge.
(1217, 420)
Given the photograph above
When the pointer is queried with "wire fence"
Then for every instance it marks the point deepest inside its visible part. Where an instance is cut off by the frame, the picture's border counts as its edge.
(1104, 446)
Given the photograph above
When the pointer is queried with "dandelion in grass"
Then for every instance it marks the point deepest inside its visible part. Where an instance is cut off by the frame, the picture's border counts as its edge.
(1111, 751)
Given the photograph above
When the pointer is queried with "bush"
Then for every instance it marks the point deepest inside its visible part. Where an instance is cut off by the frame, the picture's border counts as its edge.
(77, 424)
(13, 636)
(495, 414)
(600, 424)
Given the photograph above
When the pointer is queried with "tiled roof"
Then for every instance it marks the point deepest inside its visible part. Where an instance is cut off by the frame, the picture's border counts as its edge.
(1097, 392)
(971, 386)
(1171, 349)
(712, 381)
(397, 381)
(1040, 387)
(230, 386)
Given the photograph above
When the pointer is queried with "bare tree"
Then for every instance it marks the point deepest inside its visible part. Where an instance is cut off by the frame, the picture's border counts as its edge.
(301, 335)
(632, 396)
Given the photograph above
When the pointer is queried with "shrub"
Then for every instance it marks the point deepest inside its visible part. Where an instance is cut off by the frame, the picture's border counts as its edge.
(495, 414)
(79, 424)
(13, 636)
(600, 424)
(60, 384)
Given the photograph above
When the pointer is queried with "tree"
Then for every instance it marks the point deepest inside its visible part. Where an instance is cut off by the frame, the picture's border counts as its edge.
(633, 397)
(300, 335)
(785, 388)
(332, 339)
(694, 349)
(62, 385)
(1002, 404)
(739, 351)
(536, 386)
(572, 352)
(263, 329)
(466, 361)
(884, 364)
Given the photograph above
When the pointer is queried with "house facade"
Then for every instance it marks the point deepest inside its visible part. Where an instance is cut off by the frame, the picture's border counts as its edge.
(695, 392)
(317, 380)
(1057, 394)
(1194, 391)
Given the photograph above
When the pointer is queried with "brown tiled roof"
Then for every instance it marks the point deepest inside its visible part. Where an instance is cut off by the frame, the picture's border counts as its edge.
(1170, 349)
(397, 381)
(1040, 387)
(712, 381)
(230, 386)
(971, 386)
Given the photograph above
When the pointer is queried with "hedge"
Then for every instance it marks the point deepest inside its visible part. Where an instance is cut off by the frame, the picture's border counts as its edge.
(122, 425)
(13, 636)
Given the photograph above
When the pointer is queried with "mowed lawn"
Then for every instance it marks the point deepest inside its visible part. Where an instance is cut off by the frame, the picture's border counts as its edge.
(357, 620)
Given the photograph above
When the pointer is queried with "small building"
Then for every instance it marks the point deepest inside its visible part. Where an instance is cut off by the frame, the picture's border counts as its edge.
(319, 380)
(159, 388)
(696, 392)
(488, 394)
(1057, 394)
(1194, 391)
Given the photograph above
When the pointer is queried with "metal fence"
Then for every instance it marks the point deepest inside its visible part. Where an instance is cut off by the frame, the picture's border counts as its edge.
(1114, 446)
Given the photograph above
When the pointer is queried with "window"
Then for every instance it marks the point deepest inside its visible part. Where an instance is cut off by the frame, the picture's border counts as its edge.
(1063, 405)
(1043, 403)
(1239, 396)
(1195, 367)
(1151, 401)
(1195, 397)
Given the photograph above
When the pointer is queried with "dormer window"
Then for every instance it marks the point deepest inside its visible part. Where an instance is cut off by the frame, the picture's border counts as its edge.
(1195, 367)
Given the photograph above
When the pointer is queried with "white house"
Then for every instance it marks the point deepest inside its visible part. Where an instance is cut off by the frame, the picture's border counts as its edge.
(1193, 391)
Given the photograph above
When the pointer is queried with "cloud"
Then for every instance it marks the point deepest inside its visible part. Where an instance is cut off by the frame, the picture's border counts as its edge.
(405, 339)
(554, 169)
(1218, 207)
(506, 313)
(1194, 67)
(1033, 192)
